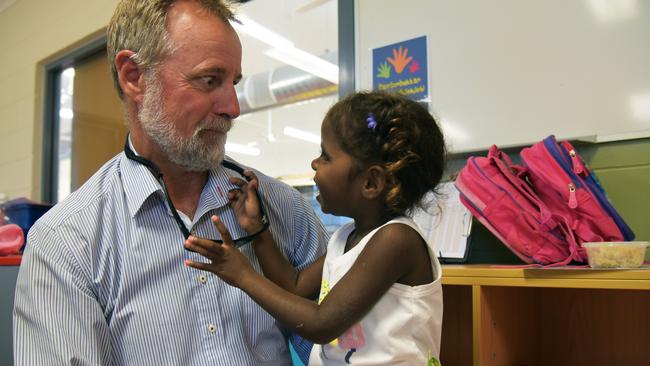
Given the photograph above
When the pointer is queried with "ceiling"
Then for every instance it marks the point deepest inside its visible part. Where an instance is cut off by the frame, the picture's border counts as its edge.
(312, 26)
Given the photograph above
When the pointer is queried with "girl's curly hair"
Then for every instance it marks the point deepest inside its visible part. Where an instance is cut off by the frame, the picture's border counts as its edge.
(406, 142)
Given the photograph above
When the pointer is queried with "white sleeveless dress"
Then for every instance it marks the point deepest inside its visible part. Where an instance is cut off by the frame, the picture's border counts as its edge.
(403, 328)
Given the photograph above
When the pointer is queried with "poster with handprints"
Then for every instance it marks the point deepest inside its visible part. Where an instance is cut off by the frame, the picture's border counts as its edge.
(402, 68)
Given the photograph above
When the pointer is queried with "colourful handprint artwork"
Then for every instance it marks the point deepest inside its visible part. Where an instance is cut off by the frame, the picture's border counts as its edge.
(400, 59)
(414, 67)
(383, 71)
(402, 68)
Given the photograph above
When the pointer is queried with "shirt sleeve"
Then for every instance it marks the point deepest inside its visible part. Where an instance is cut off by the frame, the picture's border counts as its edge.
(311, 239)
(310, 243)
(57, 318)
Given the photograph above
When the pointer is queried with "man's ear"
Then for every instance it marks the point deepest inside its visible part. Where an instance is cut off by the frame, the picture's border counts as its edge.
(375, 182)
(129, 75)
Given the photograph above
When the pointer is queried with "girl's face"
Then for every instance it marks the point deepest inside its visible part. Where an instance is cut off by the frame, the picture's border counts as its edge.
(339, 188)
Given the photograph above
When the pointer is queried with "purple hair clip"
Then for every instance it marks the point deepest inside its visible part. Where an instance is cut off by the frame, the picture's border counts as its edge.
(372, 122)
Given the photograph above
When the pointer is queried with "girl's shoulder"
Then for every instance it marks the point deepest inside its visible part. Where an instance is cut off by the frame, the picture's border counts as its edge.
(405, 220)
(400, 227)
(403, 244)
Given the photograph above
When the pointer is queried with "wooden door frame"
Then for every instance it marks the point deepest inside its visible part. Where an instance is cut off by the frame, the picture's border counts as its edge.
(51, 121)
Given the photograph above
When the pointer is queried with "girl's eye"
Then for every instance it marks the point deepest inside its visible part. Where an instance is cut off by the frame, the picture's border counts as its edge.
(323, 155)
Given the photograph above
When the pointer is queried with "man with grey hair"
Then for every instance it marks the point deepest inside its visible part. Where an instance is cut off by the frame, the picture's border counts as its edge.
(103, 279)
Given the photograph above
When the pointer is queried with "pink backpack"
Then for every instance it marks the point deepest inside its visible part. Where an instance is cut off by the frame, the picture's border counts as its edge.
(544, 209)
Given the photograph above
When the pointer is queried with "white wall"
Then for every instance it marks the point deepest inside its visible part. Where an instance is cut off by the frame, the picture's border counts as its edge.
(32, 33)
(510, 72)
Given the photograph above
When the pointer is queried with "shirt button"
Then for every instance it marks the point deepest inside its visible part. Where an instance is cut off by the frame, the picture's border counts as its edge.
(212, 328)
(203, 278)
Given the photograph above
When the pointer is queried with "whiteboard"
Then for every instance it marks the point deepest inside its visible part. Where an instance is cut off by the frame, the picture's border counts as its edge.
(511, 72)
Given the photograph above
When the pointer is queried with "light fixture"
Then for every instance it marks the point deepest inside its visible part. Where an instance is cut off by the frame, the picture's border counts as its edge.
(307, 62)
(302, 135)
(284, 50)
(247, 26)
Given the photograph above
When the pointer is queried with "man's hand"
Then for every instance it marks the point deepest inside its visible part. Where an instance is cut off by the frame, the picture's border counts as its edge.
(225, 259)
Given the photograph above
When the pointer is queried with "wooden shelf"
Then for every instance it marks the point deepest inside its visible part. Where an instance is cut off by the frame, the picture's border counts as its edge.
(10, 260)
(570, 277)
(507, 315)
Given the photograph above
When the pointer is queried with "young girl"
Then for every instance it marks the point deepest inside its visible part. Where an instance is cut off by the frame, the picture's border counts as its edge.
(378, 286)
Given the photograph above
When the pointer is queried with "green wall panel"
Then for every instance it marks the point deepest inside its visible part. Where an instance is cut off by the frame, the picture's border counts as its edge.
(623, 169)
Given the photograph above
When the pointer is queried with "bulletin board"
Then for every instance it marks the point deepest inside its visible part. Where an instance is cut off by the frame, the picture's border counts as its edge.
(511, 72)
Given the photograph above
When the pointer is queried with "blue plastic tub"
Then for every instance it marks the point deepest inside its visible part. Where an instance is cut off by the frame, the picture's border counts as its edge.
(24, 213)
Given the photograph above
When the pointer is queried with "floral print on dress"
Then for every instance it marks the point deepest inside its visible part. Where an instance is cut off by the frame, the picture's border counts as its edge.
(352, 340)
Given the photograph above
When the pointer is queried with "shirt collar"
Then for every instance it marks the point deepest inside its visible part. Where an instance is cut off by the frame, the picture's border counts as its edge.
(139, 184)
(215, 192)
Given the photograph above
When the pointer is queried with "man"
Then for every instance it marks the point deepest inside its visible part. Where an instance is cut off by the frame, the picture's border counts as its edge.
(102, 279)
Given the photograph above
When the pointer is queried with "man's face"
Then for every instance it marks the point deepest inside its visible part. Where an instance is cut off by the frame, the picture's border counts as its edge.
(204, 149)
(190, 99)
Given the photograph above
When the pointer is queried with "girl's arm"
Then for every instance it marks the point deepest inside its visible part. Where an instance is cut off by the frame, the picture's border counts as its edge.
(392, 254)
(275, 266)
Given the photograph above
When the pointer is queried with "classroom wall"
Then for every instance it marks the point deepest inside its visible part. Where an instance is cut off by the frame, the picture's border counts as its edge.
(577, 69)
(623, 168)
(35, 32)
(32, 34)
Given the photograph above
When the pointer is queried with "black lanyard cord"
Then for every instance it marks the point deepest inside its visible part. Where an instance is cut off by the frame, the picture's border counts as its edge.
(155, 171)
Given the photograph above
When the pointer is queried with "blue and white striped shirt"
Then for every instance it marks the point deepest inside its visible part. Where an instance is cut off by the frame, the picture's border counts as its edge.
(102, 279)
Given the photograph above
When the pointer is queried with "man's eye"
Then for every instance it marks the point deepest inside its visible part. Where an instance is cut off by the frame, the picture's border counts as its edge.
(209, 80)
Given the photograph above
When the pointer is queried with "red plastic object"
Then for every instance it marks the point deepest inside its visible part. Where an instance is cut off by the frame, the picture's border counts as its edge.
(11, 239)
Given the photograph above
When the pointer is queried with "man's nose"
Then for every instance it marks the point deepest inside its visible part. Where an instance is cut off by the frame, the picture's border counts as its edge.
(227, 104)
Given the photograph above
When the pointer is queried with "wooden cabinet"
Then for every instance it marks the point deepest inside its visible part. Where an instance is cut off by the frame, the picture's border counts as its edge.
(566, 316)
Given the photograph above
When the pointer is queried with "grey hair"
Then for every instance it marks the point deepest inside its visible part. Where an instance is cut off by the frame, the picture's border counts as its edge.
(140, 26)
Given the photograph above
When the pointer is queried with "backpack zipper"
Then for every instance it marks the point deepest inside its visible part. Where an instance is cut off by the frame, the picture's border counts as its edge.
(588, 182)
(573, 202)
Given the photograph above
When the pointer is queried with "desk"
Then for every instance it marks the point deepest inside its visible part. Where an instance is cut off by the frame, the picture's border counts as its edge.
(563, 316)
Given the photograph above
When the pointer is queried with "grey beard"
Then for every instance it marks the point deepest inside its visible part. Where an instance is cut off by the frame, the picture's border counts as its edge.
(200, 152)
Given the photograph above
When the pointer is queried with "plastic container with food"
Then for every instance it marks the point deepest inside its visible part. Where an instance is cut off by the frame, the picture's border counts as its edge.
(616, 254)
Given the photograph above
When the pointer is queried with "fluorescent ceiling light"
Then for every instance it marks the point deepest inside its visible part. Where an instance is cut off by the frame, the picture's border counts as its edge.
(285, 51)
(242, 149)
(259, 32)
(302, 135)
(307, 62)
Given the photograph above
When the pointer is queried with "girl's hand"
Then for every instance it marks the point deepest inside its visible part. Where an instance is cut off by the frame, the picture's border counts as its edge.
(226, 261)
(245, 202)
